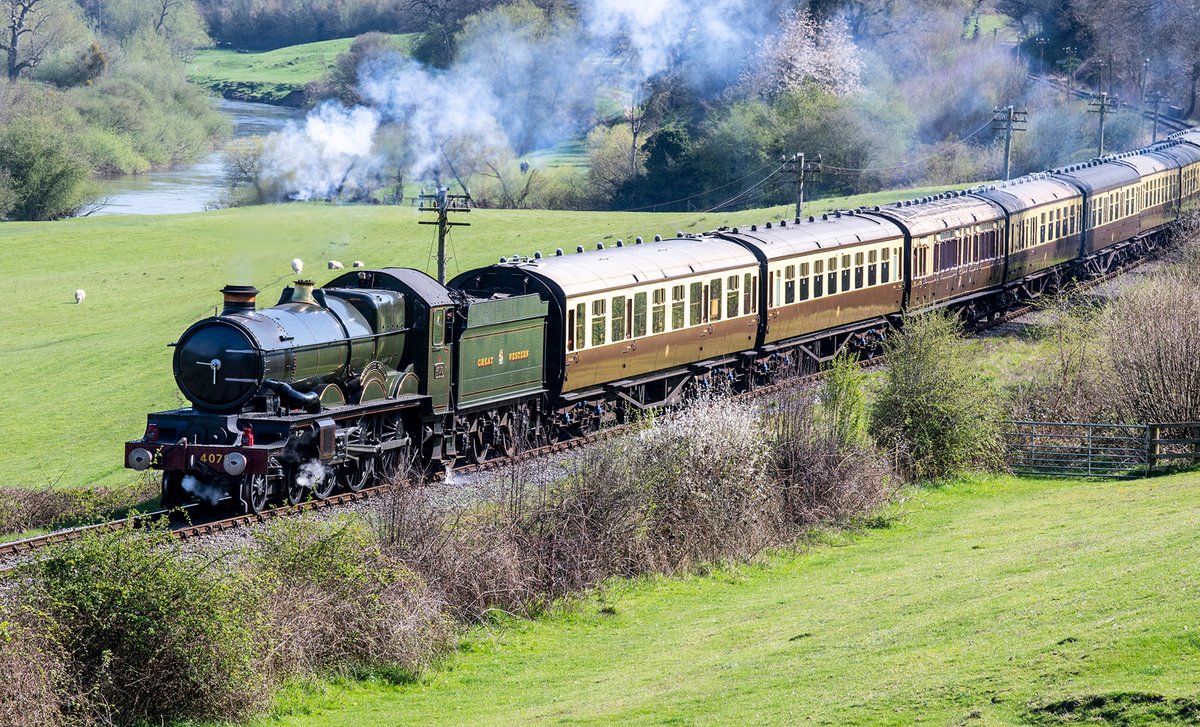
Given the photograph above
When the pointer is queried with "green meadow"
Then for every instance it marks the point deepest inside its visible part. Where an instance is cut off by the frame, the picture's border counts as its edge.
(994, 601)
(79, 379)
(270, 76)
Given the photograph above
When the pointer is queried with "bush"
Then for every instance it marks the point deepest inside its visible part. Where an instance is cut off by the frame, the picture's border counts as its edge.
(820, 475)
(1151, 338)
(47, 178)
(934, 407)
(337, 601)
(150, 632)
(36, 689)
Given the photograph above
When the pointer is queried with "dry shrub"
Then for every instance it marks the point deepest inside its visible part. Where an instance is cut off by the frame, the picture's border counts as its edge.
(35, 684)
(818, 477)
(24, 509)
(335, 601)
(704, 470)
(1150, 340)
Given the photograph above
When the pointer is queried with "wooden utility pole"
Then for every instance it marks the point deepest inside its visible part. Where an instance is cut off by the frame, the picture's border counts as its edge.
(1155, 101)
(443, 203)
(1009, 120)
(797, 166)
(1102, 105)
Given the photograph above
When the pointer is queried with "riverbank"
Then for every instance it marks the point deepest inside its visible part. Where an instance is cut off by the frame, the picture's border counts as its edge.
(276, 77)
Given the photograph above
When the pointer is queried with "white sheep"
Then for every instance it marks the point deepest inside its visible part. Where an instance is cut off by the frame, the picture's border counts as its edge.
(358, 263)
(80, 294)
(335, 265)
(297, 265)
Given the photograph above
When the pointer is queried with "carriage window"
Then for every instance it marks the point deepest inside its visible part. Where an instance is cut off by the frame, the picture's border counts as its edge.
(677, 306)
(571, 330)
(696, 301)
(598, 313)
(872, 267)
(731, 297)
(858, 270)
(714, 299)
(748, 301)
(639, 315)
(804, 281)
(581, 325)
(885, 265)
(831, 285)
(618, 318)
(789, 286)
(658, 313)
(818, 279)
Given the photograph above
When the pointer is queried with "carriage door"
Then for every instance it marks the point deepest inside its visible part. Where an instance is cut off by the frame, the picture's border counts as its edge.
(441, 322)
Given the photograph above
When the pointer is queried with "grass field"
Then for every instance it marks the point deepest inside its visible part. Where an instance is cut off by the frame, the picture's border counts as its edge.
(270, 76)
(79, 380)
(992, 602)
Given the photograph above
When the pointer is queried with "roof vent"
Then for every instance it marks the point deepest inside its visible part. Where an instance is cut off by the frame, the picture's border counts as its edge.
(812, 219)
(579, 248)
(637, 241)
(679, 234)
(838, 214)
(825, 216)
(754, 228)
(877, 208)
(503, 259)
(797, 220)
(768, 225)
(537, 254)
(783, 223)
(735, 230)
(599, 245)
(620, 243)
(658, 238)
(558, 252)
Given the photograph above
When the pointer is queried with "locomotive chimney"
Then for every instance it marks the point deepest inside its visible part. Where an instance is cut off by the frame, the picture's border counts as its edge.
(238, 298)
(303, 292)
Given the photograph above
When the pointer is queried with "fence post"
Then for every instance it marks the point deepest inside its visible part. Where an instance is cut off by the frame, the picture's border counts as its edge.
(1152, 432)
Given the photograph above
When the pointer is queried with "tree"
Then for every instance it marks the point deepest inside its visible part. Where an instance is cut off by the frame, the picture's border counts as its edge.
(806, 52)
(608, 157)
(30, 31)
(47, 177)
(934, 406)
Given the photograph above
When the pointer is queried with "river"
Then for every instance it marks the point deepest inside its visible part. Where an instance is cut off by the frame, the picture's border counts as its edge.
(196, 187)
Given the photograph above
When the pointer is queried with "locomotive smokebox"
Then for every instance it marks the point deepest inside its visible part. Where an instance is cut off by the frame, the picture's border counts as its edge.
(239, 298)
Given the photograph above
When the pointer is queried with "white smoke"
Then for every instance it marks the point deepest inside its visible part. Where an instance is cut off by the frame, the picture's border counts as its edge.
(331, 153)
(513, 89)
(311, 473)
(201, 490)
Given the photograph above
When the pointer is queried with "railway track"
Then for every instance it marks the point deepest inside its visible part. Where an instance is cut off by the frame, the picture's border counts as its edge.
(184, 530)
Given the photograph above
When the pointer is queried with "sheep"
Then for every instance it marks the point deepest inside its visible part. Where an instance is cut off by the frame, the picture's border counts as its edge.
(80, 294)
(335, 265)
(358, 263)
(297, 265)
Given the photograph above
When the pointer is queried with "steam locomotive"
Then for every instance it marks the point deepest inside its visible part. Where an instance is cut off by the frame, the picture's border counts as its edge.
(344, 385)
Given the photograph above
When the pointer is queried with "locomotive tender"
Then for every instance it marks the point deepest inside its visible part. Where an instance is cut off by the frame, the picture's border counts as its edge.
(343, 385)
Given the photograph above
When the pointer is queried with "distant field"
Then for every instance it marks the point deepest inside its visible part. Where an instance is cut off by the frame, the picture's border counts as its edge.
(79, 380)
(997, 602)
(271, 76)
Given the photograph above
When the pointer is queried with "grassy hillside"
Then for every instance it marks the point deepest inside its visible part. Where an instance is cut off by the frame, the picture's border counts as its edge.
(276, 76)
(999, 602)
(80, 379)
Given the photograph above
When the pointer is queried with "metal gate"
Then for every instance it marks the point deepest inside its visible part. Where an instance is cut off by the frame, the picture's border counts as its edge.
(1079, 449)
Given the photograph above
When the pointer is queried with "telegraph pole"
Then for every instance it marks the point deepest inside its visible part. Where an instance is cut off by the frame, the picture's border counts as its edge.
(1008, 120)
(1102, 105)
(795, 164)
(443, 203)
(1155, 100)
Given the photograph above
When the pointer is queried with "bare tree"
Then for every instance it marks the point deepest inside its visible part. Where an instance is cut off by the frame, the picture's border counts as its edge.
(27, 34)
(164, 9)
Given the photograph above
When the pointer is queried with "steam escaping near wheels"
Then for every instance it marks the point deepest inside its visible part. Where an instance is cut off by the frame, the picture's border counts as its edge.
(209, 493)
